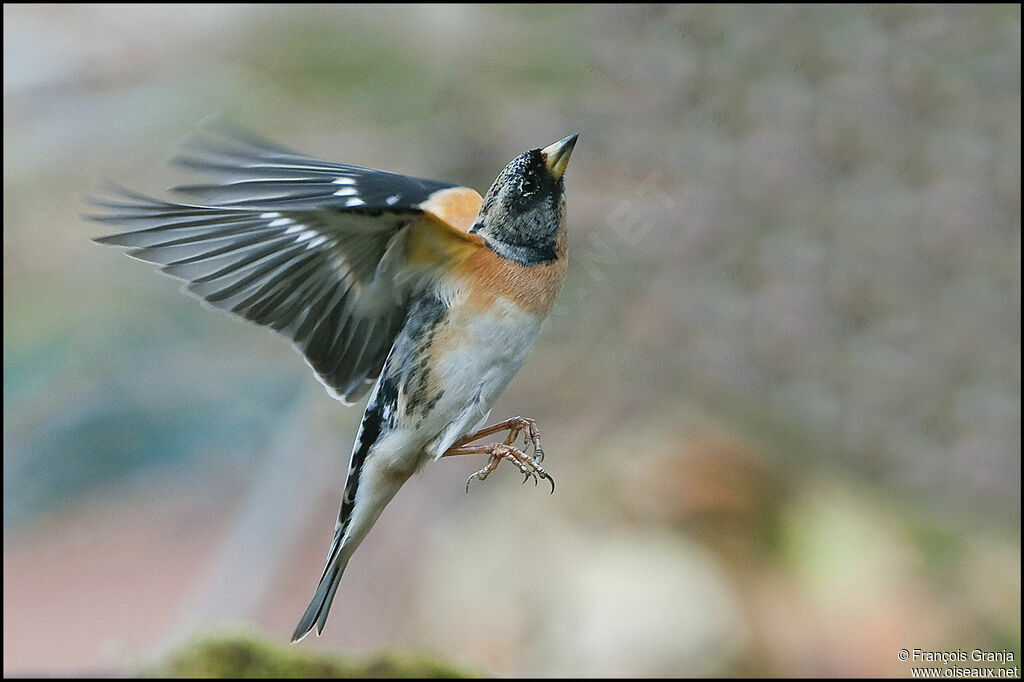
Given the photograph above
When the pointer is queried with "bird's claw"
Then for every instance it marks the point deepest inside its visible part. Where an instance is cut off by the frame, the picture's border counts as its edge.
(492, 464)
(528, 466)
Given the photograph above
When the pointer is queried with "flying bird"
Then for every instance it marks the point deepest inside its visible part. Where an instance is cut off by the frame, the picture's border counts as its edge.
(421, 292)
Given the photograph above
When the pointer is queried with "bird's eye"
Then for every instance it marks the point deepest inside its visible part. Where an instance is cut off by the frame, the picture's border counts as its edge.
(527, 186)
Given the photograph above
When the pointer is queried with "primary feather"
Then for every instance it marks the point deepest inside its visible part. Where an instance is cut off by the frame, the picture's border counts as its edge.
(288, 242)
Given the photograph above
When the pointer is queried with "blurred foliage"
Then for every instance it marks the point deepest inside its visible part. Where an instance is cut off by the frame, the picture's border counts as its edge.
(248, 656)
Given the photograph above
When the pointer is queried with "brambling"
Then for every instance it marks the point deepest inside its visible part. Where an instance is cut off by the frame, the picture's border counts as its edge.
(422, 292)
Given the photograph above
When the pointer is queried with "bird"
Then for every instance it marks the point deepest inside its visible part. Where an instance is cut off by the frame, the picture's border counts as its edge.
(419, 292)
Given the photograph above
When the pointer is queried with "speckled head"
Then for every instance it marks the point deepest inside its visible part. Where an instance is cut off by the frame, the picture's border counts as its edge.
(525, 207)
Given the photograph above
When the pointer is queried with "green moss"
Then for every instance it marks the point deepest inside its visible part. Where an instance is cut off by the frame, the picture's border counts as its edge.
(243, 655)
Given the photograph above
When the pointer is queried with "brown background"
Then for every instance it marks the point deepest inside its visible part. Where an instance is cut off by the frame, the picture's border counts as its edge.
(780, 392)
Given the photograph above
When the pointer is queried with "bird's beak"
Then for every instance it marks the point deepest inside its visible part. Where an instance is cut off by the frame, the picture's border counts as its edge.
(556, 157)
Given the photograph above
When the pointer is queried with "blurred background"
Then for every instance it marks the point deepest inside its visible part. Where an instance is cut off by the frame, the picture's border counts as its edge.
(780, 392)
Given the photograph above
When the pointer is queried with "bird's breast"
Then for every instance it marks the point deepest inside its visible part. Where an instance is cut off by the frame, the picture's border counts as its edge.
(458, 352)
(496, 310)
(485, 278)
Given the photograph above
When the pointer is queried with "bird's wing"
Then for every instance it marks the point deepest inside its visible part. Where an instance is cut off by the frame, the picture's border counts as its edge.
(326, 254)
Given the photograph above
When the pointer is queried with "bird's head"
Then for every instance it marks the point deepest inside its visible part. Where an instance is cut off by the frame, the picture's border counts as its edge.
(524, 209)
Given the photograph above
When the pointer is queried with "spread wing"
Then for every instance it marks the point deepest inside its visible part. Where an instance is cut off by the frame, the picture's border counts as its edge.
(319, 252)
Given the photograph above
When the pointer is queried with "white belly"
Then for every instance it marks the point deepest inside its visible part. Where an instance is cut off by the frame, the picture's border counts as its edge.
(485, 352)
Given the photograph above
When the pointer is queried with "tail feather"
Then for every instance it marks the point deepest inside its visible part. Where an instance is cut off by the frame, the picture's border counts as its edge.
(320, 606)
(378, 486)
(373, 480)
(344, 542)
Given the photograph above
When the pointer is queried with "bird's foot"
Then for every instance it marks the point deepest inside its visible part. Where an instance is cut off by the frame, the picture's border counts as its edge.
(514, 426)
(528, 466)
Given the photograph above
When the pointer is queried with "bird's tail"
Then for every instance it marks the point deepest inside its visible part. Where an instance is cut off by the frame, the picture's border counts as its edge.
(316, 612)
(370, 486)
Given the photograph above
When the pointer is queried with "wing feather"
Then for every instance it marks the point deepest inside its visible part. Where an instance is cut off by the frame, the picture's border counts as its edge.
(313, 250)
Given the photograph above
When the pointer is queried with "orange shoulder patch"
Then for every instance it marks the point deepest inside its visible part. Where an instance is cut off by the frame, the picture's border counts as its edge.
(435, 242)
(456, 206)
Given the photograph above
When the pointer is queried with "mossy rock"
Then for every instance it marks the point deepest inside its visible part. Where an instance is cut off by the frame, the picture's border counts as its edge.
(250, 656)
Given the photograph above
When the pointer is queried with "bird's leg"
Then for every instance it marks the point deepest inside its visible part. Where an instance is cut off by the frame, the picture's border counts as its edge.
(513, 426)
(528, 466)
